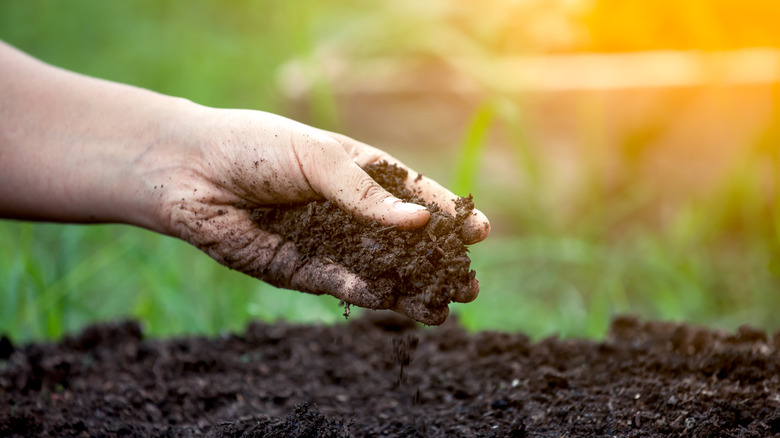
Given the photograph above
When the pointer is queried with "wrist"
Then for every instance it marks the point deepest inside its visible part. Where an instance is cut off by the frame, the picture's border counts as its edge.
(80, 149)
(166, 164)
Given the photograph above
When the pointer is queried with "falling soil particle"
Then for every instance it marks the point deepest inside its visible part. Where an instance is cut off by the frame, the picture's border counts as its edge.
(403, 349)
(430, 263)
(646, 379)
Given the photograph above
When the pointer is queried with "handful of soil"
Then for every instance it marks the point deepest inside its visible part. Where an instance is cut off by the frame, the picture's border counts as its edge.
(429, 264)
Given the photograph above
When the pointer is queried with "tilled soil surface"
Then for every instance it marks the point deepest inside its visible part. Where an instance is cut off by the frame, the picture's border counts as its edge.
(383, 376)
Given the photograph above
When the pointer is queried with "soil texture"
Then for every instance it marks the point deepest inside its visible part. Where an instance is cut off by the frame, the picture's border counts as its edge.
(382, 376)
(430, 263)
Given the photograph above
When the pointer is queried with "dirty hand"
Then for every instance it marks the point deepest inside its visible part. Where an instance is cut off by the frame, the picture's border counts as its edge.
(80, 149)
(240, 159)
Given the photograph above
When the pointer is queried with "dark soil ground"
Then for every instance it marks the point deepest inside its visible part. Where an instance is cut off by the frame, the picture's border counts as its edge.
(382, 375)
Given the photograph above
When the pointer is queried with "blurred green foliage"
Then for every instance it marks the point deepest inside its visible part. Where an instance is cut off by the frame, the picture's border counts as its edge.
(565, 272)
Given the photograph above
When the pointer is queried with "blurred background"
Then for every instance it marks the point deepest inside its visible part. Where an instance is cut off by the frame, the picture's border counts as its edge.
(627, 153)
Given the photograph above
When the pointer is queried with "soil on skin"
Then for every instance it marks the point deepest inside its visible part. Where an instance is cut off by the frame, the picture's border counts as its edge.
(647, 379)
(430, 263)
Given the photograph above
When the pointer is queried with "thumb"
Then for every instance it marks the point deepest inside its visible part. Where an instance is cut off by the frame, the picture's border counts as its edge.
(341, 180)
(357, 193)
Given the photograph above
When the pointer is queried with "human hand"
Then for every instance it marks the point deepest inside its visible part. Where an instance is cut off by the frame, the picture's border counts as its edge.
(83, 150)
(236, 160)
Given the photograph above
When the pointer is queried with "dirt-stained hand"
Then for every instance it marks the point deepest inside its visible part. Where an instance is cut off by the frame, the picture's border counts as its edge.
(238, 160)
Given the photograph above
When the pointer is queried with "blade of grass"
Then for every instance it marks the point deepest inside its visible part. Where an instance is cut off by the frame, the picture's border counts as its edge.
(510, 114)
(472, 148)
(47, 303)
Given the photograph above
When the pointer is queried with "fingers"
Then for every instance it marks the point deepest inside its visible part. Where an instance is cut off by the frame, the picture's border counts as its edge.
(468, 293)
(332, 173)
(320, 277)
(476, 227)
(414, 308)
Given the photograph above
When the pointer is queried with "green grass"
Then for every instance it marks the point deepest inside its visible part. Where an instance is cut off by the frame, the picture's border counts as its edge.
(569, 271)
(472, 149)
(556, 271)
(60, 277)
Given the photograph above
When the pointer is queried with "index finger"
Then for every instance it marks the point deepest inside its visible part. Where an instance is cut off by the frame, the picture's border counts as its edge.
(476, 226)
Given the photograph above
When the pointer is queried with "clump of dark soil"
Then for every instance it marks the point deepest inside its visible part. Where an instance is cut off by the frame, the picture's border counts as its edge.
(430, 263)
(646, 379)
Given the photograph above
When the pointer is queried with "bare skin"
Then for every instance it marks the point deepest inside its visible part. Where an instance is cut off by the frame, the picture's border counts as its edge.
(84, 150)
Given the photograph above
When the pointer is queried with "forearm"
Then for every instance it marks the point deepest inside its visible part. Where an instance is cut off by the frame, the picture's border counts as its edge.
(79, 149)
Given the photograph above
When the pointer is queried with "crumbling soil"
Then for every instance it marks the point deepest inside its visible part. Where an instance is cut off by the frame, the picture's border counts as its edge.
(646, 379)
(430, 263)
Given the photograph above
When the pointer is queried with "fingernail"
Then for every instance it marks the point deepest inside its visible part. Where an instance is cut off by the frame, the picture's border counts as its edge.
(408, 207)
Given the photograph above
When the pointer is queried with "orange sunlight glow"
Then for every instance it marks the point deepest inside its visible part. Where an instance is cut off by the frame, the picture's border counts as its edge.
(517, 26)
